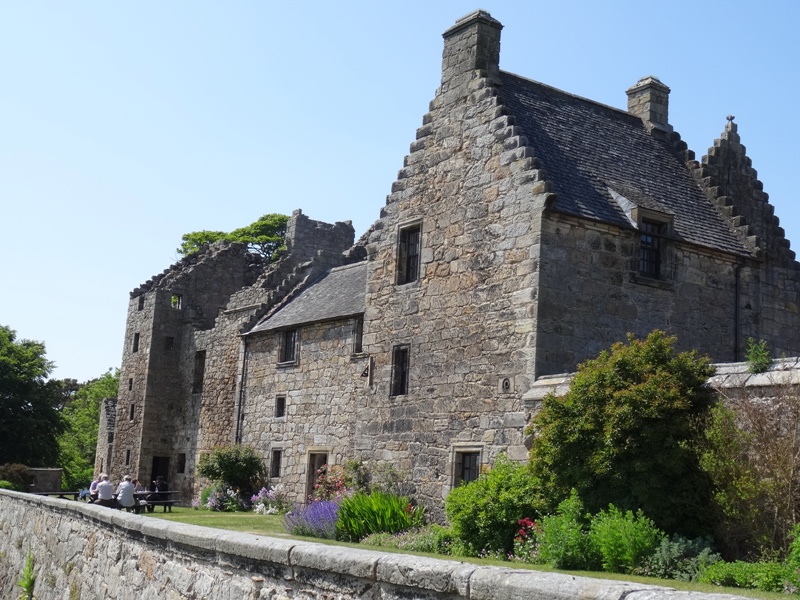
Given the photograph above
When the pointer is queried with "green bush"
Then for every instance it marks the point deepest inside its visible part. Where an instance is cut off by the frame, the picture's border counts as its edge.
(378, 512)
(17, 474)
(564, 541)
(484, 513)
(7, 485)
(765, 576)
(758, 358)
(433, 539)
(679, 558)
(236, 466)
(622, 540)
(793, 555)
(625, 434)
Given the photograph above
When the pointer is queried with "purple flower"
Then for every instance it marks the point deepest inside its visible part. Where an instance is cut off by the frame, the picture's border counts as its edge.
(318, 519)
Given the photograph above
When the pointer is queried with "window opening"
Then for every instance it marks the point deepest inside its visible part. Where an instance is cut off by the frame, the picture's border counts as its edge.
(289, 346)
(110, 437)
(127, 457)
(130, 384)
(280, 406)
(181, 462)
(141, 302)
(358, 335)
(316, 460)
(651, 248)
(400, 358)
(199, 371)
(175, 301)
(169, 342)
(467, 467)
(132, 412)
(135, 342)
(408, 255)
(275, 464)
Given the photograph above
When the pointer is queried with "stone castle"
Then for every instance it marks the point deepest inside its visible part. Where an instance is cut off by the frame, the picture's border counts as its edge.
(527, 230)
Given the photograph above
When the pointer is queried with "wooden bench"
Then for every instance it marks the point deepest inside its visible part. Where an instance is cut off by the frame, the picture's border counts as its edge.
(167, 504)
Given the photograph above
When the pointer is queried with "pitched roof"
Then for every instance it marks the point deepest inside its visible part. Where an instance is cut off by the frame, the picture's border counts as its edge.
(590, 151)
(338, 294)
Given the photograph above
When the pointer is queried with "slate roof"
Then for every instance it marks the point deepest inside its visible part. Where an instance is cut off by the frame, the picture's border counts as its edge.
(587, 148)
(336, 295)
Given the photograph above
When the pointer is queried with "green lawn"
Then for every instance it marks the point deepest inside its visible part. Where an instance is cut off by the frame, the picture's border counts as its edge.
(272, 525)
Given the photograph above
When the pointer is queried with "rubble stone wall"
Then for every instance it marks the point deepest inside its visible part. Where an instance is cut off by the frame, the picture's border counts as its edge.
(95, 553)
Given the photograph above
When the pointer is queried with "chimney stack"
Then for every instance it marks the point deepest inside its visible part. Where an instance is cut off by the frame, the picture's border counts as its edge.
(473, 43)
(648, 99)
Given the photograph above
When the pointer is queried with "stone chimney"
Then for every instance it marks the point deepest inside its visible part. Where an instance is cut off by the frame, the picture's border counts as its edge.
(648, 99)
(473, 43)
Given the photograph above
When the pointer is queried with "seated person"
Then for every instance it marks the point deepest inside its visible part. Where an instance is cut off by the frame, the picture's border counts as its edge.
(93, 489)
(137, 487)
(159, 485)
(105, 492)
(125, 497)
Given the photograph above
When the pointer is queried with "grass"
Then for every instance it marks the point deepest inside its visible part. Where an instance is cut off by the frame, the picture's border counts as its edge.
(272, 525)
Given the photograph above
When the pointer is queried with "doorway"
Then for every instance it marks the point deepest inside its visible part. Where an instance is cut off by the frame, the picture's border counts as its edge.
(160, 467)
(316, 460)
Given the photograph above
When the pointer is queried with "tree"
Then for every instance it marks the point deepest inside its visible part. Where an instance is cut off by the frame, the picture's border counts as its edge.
(29, 418)
(626, 433)
(78, 443)
(237, 466)
(264, 236)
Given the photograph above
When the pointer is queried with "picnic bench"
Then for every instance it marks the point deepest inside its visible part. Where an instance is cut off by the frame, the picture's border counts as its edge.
(166, 501)
(62, 495)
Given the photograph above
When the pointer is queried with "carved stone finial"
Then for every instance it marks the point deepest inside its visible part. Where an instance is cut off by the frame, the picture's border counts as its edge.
(730, 118)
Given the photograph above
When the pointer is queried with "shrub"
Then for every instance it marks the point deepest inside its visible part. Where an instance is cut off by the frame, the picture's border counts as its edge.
(765, 576)
(7, 485)
(622, 540)
(223, 498)
(332, 484)
(564, 542)
(17, 474)
(758, 358)
(793, 556)
(679, 558)
(378, 512)
(433, 539)
(236, 466)
(484, 513)
(318, 519)
(270, 501)
(526, 542)
(624, 434)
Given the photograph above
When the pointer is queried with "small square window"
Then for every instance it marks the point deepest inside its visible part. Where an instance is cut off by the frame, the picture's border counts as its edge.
(169, 342)
(181, 463)
(175, 301)
(400, 363)
(288, 352)
(141, 302)
(467, 467)
(135, 342)
(358, 335)
(408, 254)
(280, 406)
(275, 464)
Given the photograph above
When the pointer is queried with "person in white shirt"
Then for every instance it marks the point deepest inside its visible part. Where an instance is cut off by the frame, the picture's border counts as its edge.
(125, 494)
(105, 492)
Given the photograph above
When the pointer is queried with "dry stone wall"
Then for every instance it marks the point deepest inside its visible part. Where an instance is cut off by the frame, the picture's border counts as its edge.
(95, 553)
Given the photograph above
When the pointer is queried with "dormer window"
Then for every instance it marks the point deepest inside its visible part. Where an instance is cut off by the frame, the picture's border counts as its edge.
(651, 248)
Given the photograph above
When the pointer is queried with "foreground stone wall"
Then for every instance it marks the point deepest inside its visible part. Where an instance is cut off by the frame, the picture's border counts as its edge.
(90, 552)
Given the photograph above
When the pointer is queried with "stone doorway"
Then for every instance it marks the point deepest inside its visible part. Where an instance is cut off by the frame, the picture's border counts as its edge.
(315, 462)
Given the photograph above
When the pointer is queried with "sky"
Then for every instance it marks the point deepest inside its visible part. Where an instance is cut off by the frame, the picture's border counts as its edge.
(125, 125)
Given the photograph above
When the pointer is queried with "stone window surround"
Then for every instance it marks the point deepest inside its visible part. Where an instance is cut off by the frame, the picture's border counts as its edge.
(288, 348)
(644, 217)
(358, 336)
(456, 453)
(280, 405)
(401, 366)
(275, 462)
(402, 275)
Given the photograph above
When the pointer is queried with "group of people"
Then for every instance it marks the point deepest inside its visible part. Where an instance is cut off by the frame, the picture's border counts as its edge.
(101, 492)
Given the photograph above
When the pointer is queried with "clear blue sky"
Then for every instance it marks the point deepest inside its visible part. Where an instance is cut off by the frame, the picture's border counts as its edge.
(124, 125)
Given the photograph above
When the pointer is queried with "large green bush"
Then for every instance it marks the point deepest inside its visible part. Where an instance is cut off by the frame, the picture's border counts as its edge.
(16, 474)
(564, 540)
(625, 434)
(623, 540)
(484, 512)
(764, 576)
(377, 512)
(236, 466)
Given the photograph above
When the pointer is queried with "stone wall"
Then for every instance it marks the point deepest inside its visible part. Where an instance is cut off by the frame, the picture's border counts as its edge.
(90, 552)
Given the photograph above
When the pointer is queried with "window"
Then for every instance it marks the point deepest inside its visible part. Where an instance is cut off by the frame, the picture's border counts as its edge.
(169, 342)
(199, 371)
(651, 246)
(135, 342)
(288, 346)
(132, 412)
(127, 457)
(275, 464)
(408, 255)
(467, 467)
(399, 371)
(175, 301)
(110, 437)
(358, 335)
(141, 302)
(181, 463)
(130, 384)
(280, 406)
